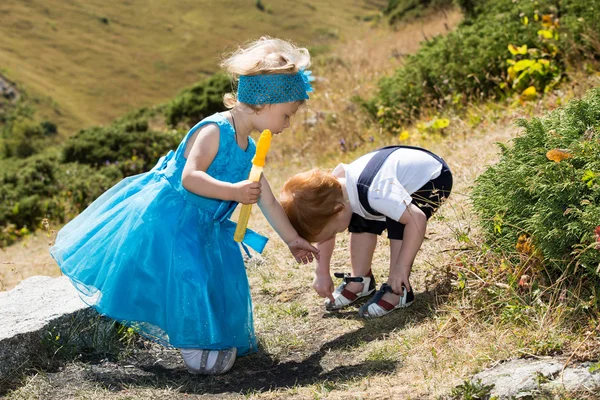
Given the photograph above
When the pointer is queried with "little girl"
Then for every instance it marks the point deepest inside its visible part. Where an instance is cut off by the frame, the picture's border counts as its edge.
(156, 251)
(396, 188)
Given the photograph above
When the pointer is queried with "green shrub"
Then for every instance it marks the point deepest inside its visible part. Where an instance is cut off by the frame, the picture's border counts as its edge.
(546, 189)
(475, 62)
(134, 152)
(41, 187)
(39, 182)
(402, 10)
(199, 101)
(20, 135)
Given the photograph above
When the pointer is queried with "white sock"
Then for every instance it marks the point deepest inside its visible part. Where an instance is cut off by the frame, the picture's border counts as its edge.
(193, 357)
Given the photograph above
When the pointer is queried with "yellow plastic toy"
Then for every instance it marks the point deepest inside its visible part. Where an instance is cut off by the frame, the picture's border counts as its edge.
(258, 162)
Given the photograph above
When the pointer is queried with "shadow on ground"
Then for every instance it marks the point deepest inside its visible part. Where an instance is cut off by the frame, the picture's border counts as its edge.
(151, 366)
(260, 372)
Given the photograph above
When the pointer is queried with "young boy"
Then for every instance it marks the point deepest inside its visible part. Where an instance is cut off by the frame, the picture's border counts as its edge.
(397, 188)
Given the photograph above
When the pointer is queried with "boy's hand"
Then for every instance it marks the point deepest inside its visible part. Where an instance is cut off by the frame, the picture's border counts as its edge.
(323, 285)
(246, 192)
(303, 251)
(396, 281)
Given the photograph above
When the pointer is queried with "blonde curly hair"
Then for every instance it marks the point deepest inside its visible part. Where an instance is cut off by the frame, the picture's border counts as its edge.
(264, 56)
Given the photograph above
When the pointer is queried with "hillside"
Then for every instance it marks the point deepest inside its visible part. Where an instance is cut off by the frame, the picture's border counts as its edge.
(88, 62)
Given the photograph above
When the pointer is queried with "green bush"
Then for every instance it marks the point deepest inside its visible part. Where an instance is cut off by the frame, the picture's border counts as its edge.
(199, 101)
(134, 152)
(546, 189)
(42, 187)
(20, 135)
(474, 62)
(38, 181)
(402, 10)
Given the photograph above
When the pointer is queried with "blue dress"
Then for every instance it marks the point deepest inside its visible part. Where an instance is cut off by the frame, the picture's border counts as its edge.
(161, 259)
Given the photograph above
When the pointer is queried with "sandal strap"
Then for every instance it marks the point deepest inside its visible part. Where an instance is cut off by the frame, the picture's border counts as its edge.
(379, 294)
(347, 277)
(219, 362)
(349, 295)
(204, 360)
(385, 305)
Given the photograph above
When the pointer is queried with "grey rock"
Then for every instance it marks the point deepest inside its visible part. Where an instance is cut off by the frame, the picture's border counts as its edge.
(41, 316)
(523, 378)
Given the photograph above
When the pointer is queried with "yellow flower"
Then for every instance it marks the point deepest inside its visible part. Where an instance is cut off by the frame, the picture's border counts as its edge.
(517, 49)
(529, 94)
(403, 135)
(440, 123)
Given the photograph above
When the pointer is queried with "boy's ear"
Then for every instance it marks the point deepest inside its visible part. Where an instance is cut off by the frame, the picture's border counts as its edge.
(339, 208)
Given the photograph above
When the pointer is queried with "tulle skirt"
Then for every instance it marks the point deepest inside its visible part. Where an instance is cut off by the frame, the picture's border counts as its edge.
(147, 257)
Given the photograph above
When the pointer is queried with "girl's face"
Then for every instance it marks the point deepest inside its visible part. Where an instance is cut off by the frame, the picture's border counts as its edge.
(275, 117)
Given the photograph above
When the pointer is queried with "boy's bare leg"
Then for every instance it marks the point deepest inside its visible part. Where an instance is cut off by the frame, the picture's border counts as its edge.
(395, 248)
(362, 247)
(415, 224)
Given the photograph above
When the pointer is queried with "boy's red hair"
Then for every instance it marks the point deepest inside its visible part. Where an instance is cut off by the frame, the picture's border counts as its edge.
(310, 200)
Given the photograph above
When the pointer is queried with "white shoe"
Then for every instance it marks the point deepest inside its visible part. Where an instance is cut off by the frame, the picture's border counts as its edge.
(377, 307)
(343, 297)
(208, 362)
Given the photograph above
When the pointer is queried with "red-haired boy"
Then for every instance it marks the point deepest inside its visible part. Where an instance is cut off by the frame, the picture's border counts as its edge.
(396, 188)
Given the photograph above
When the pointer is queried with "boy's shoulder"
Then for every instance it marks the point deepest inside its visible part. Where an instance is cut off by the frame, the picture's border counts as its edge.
(339, 171)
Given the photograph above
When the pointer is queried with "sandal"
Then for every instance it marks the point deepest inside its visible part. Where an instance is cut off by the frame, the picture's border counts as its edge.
(343, 297)
(377, 307)
(197, 360)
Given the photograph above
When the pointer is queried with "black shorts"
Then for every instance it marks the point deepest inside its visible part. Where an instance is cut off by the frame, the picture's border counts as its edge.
(428, 198)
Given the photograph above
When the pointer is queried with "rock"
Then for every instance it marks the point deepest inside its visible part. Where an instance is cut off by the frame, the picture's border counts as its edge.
(40, 316)
(523, 378)
(8, 89)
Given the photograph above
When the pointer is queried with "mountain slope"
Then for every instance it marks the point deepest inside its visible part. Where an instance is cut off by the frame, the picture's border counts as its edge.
(87, 62)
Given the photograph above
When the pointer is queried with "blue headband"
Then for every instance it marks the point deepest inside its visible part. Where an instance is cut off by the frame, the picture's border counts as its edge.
(274, 88)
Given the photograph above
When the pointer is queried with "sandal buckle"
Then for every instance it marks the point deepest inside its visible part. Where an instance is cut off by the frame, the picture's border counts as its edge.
(347, 278)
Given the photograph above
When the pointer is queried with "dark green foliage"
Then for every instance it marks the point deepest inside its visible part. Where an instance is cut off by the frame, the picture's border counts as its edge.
(471, 8)
(20, 135)
(41, 187)
(58, 184)
(556, 204)
(199, 101)
(402, 10)
(471, 391)
(471, 63)
(48, 128)
(582, 20)
(133, 151)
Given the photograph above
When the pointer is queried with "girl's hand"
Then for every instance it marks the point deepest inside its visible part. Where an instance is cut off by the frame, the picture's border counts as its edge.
(323, 285)
(396, 281)
(246, 192)
(302, 250)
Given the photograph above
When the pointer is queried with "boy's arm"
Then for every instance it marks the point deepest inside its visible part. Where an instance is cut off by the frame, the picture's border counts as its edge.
(272, 210)
(322, 283)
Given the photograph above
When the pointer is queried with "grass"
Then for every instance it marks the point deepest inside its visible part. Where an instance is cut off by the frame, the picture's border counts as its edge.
(88, 62)
(423, 352)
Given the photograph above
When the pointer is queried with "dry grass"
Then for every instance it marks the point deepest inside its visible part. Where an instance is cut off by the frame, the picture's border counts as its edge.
(306, 353)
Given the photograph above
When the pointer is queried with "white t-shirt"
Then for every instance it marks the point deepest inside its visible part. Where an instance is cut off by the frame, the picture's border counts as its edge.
(404, 172)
